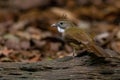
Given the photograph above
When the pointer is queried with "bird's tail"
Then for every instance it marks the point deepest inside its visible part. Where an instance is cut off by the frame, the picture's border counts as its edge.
(99, 51)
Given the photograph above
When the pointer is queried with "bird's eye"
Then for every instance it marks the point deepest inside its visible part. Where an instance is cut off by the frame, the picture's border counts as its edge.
(61, 23)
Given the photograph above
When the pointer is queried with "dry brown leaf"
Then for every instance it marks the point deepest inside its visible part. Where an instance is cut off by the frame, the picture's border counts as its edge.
(5, 51)
(116, 46)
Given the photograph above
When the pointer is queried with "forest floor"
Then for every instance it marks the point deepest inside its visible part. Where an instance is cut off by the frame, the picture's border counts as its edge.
(29, 45)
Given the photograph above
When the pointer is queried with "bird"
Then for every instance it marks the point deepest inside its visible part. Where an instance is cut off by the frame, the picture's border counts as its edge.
(76, 36)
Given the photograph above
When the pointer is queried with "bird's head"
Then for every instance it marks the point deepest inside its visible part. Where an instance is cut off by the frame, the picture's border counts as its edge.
(62, 25)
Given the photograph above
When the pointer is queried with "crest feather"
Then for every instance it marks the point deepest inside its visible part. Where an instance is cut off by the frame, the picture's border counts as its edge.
(63, 17)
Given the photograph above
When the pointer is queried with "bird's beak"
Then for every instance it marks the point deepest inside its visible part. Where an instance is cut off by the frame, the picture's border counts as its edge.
(54, 25)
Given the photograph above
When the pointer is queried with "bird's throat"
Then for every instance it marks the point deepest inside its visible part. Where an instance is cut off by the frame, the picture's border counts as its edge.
(61, 30)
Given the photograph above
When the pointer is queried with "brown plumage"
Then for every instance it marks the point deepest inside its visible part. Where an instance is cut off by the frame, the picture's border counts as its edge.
(76, 35)
(81, 36)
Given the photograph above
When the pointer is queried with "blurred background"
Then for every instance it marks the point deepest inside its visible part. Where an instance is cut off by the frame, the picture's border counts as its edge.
(26, 34)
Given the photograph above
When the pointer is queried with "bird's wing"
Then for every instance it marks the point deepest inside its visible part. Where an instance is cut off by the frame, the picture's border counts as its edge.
(78, 34)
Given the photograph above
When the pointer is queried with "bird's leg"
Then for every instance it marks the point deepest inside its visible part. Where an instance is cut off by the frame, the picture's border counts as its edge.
(73, 56)
(74, 51)
(74, 47)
